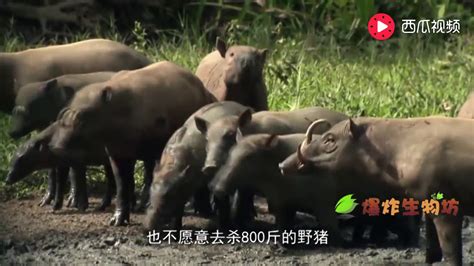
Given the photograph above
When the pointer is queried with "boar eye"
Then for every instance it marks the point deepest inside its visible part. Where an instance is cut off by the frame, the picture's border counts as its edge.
(230, 134)
(231, 54)
(329, 143)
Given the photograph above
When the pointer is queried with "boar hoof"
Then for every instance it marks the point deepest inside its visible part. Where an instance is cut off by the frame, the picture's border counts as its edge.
(71, 201)
(120, 218)
(82, 203)
(46, 200)
(433, 256)
(57, 205)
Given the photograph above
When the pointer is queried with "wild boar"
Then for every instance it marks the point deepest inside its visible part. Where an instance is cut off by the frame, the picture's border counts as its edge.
(132, 115)
(32, 65)
(421, 156)
(223, 134)
(35, 155)
(178, 175)
(235, 73)
(253, 162)
(406, 228)
(38, 104)
(467, 109)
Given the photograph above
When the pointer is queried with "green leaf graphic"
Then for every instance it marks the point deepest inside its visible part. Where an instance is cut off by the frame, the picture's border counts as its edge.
(437, 196)
(346, 204)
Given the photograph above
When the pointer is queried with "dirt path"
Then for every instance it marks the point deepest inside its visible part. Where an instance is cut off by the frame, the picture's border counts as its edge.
(29, 233)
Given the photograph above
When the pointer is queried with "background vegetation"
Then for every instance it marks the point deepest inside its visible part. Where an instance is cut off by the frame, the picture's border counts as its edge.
(320, 55)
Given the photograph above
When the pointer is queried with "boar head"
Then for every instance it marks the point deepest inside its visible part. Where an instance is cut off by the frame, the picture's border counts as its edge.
(173, 185)
(247, 164)
(243, 64)
(37, 105)
(97, 113)
(340, 150)
(221, 136)
(31, 156)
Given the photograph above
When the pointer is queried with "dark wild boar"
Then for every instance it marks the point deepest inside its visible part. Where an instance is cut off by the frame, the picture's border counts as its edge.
(178, 176)
(38, 104)
(235, 73)
(32, 65)
(421, 156)
(223, 134)
(253, 163)
(132, 115)
(35, 155)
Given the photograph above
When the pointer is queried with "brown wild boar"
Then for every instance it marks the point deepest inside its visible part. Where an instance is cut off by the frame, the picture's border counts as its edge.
(421, 156)
(132, 115)
(467, 109)
(35, 155)
(177, 177)
(38, 104)
(40, 64)
(235, 73)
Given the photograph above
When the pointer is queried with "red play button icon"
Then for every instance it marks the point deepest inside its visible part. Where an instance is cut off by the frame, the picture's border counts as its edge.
(381, 26)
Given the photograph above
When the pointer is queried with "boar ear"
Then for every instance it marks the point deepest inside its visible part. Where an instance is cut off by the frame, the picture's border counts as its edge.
(238, 135)
(271, 141)
(263, 54)
(50, 85)
(245, 118)
(106, 94)
(221, 47)
(201, 124)
(355, 130)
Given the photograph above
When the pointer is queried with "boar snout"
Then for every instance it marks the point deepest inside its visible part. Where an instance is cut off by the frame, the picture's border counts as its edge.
(12, 178)
(209, 169)
(289, 165)
(9, 180)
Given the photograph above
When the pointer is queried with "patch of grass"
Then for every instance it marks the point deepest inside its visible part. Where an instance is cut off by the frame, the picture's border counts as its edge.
(403, 77)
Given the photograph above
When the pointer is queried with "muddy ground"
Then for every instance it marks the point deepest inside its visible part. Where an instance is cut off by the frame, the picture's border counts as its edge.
(32, 234)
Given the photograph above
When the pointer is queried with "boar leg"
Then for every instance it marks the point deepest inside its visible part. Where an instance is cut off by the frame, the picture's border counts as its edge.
(48, 197)
(222, 207)
(328, 220)
(78, 173)
(433, 248)
(147, 180)
(243, 209)
(107, 199)
(201, 202)
(177, 222)
(62, 174)
(449, 229)
(284, 218)
(123, 173)
(71, 200)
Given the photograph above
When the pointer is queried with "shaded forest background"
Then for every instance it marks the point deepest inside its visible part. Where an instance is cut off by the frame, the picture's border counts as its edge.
(343, 20)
